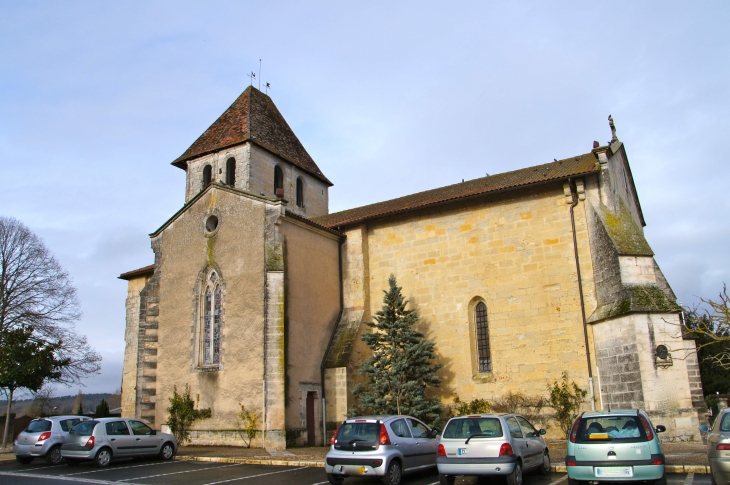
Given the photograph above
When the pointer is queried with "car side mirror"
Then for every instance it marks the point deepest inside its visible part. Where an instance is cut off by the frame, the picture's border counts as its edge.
(704, 428)
(543, 432)
(660, 428)
(154, 432)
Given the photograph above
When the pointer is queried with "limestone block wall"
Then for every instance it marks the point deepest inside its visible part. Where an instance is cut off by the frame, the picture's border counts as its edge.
(236, 251)
(513, 251)
(316, 198)
(637, 270)
(131, 349)
(217, 161)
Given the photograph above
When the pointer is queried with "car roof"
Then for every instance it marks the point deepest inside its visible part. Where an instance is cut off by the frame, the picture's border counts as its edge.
(58, 418)
(612, 412)
(487, 415)
(376, 417)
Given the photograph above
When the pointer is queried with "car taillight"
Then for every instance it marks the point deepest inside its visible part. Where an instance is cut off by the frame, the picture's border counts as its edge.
(647, 427)
(570, 463)
(441, 450)
(574, 429)
(334, 435)
(384, 438)
(723, 447)
(90, 442)
(506, 450)
(44, 436)
(657, 462)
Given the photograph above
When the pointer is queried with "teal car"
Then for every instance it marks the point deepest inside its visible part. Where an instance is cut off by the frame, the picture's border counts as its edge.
(615, 446)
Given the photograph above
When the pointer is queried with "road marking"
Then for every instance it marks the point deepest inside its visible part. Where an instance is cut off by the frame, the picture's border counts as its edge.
(60, 477)
(177, 473)
(688, 480)
(256, 476)
(559, 480)
(120, 468)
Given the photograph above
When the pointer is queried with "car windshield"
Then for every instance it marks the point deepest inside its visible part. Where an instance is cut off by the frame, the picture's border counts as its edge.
(351, 433)
(466, 427)
(725, 424)
(38, 426)
(67, 424)
(84, 428)
(614, 428)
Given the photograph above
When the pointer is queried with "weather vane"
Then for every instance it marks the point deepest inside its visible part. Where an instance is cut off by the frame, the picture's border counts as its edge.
(267, 87)
(252, 76)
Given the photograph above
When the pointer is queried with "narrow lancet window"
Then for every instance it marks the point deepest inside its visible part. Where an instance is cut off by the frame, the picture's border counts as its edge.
(210, 341)
(278, 181)
(231, 172)
(482, 328)
(300, 192)
(207, 175)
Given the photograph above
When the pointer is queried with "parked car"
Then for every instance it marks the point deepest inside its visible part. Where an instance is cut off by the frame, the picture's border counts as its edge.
(43, 439)
(381, 446)
(104, 439)
(619, 445)
(718, 447)
(491, 444)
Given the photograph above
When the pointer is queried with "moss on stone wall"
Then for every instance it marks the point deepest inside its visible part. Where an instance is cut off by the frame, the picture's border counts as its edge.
(633, 299)
(274, 258)
(625, 234)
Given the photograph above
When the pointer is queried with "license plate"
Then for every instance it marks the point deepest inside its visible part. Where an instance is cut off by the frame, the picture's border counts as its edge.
(362, 470)
(462, 451)
(614, 472)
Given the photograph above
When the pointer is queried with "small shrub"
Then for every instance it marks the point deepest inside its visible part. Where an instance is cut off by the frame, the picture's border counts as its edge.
(565, 399)
(250, 422)
(476, 406)
(182, 414)
(528, 406)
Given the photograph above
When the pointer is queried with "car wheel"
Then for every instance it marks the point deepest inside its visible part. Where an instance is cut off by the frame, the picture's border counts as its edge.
(103, 457)
(515, 478)
(446, 479)
(661, 481)
(53, 457)
(335, 479)
(545, 468)
(71, 461)
(393, 474)
(24, 460)
(167, 451)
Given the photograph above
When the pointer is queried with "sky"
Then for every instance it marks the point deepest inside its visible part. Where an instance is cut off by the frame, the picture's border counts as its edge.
(389, 98)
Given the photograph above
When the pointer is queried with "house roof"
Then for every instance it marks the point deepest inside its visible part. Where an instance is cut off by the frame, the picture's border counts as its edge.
(558, 170)
(137, 273)
(253, 117)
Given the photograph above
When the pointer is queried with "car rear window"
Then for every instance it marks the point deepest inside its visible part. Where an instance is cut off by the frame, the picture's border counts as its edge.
(613, 428)
(84, 428)
(725, 423)
(67, 424)
(466, 427)
(358, 434)
(38, 426)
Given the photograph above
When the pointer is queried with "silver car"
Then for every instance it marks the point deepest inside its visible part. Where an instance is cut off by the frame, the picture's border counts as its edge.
(491, 444)
(381, 446)
(104, 439)
(718, 447)
(43, 439)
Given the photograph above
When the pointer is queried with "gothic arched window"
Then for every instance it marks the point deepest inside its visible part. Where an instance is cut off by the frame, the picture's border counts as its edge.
(210, 335)
(231, 172)
(207, 175)
(300, 192)
(278, 180)
(482, 336)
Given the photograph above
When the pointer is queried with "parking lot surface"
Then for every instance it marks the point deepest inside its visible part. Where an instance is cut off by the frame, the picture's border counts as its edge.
(203, 473)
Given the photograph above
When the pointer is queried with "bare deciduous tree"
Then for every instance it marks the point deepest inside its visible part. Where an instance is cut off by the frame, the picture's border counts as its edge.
(36, 291)
(710, 329)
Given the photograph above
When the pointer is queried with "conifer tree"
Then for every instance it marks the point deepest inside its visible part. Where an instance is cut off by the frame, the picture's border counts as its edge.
(102, 410)
(400, 369)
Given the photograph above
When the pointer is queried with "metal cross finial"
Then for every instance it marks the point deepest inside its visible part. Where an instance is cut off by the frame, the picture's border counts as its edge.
(614, 138)
(252, 76)
(267, 87)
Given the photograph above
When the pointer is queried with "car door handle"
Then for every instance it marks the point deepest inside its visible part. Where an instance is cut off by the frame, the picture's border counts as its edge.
(113, 439)
(138, 439)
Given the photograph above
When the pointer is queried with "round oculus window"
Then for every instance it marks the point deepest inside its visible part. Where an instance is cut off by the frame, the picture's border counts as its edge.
(211, 224)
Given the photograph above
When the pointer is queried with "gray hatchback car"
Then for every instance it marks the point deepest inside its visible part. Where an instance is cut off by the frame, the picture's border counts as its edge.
(380, 446)
(491, 444)
(104, 439)
(43, 438)
(718, 447)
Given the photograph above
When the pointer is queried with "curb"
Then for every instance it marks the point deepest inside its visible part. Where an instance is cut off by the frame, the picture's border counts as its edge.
(254, 461)
(556, 468)
(696, 469)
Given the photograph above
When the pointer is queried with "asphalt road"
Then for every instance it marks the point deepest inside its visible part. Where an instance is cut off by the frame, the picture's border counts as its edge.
(203, 473)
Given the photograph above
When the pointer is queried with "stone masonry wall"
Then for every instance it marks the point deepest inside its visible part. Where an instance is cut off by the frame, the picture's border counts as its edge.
(131, 349)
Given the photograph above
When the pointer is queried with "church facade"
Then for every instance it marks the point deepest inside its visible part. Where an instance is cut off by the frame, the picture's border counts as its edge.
(257, 295)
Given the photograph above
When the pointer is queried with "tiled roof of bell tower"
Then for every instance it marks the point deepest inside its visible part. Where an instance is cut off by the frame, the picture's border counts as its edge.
(253, 117)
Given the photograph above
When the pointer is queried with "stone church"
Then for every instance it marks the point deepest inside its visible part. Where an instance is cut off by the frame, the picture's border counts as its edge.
(258, 294)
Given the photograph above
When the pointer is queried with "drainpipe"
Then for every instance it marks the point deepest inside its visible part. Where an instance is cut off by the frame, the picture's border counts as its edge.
(329, 344)
(580, 292)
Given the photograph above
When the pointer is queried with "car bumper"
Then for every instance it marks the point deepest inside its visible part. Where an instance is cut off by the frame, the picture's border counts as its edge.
(355, 470)
(475, 466)
(639, 472)
(720, 468)
(78, 454)
(30, 450)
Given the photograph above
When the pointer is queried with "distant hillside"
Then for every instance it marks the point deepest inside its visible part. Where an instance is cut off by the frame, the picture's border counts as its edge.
(64, 404)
